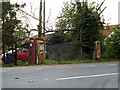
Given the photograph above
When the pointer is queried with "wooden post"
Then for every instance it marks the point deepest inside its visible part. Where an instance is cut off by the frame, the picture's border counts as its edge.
(16, 53)
(4, 54)
(40, 20)
(44, 20)
(44, 29)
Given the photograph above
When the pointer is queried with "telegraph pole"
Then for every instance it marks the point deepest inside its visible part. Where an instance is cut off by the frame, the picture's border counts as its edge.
(44, 19)
(81, 41)
(44, 29)
(40, 20)
(83, 3)
(86, 3)
(15, 53)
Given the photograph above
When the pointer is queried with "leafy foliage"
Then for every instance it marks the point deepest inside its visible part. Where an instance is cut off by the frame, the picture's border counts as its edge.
(58, 38)
(12, 30)
(113, 44)
(77, 16)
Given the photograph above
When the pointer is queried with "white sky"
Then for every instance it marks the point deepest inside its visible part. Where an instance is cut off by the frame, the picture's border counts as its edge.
(110, 14)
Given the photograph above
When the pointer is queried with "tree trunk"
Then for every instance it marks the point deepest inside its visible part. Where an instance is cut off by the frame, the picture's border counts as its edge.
(4, 54)
(12, 54)
(40, 20)
(16, 53)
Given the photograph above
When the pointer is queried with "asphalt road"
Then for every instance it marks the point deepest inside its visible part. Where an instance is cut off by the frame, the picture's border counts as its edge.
(100, 75)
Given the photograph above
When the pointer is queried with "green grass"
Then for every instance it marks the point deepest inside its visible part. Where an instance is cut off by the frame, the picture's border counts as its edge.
(0, 63)
(8, 65)
(51, 62)
(19, 63)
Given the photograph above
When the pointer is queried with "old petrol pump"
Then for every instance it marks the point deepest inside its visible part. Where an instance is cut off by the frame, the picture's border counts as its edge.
(97, 51)
(41, 52)
(33, 50)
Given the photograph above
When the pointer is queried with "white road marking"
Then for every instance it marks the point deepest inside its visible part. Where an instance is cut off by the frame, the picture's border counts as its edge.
(88, 76)
(112, 64)
(0, 70)
(46, 79)
(90, 65)
(60, 67)
(64, 67)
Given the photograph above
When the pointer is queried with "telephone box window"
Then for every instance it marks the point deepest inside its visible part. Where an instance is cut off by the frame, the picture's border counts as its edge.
(31, 45)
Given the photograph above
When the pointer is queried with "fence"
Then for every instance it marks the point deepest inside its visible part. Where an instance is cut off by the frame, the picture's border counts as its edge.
(65, 51)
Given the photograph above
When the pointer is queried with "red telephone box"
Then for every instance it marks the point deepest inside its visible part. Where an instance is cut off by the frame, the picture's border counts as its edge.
(33, 50)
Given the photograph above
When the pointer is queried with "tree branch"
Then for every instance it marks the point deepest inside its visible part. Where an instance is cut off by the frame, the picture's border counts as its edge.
(29, 14)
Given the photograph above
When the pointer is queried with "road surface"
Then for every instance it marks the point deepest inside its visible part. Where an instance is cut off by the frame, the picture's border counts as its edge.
(97, 75)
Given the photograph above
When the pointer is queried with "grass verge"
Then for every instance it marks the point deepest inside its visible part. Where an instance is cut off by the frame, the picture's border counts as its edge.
(19, 63)
(51, 62)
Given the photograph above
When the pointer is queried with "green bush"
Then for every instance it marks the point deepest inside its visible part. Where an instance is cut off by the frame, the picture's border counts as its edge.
(112, 47)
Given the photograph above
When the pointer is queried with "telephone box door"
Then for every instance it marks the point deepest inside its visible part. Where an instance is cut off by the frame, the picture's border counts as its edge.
(32, 52)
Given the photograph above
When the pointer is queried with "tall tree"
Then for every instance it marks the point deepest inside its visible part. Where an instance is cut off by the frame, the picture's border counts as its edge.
(12, 30)
(11, 26)
(78, 16)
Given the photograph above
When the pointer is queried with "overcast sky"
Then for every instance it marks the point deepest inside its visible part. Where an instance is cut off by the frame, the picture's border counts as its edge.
(110, 14)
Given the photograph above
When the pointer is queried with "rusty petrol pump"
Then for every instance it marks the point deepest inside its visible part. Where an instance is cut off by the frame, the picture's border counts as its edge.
(41, 52)
(97, 51)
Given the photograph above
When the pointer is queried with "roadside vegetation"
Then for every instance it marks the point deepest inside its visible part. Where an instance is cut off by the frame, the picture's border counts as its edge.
(112, 45)
(51, 62)
(19, 63)
(54, 62)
